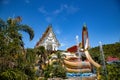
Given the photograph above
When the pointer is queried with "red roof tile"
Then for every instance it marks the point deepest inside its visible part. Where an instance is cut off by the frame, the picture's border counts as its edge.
(110, 58)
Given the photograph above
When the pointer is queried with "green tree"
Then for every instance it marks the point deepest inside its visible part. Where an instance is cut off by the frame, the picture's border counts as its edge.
(112, 50)
(13, 62)
(56, 69)
(10, 36)
(30, 56)
(42, 58)
(42, 53)
(59, 57)
(13, 74)
(113, 71)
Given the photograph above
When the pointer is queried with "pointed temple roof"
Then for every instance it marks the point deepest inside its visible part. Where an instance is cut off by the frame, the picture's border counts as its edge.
(45, 34)
(73, 48)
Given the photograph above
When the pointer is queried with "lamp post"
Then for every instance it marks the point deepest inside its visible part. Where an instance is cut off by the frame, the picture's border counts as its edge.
(78, 52)
(77, 40)
(103, 60)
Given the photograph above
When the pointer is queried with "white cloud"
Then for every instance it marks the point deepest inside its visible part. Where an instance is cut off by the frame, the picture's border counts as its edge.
(71, 9)
(62, 44)
(49, 15)
(58, 32)
(66, 8)
(48, 19)
(43, 11)
(27, 1)
(63, 8)
(57, 11)
(5, 1)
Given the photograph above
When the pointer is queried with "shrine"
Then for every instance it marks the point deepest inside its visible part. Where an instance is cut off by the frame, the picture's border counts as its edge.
(49, 40)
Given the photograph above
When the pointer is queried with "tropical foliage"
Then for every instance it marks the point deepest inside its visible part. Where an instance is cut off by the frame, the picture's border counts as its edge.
(16, 63)
(56, 69)
(42, 58)
(109, 50)
(112, 70)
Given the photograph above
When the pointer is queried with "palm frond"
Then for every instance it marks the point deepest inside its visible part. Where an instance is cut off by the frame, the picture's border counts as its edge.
(2, 25)
(27, 29)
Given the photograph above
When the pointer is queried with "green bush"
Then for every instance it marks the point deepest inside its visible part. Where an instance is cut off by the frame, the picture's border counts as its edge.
(13, 74)
(57, 71)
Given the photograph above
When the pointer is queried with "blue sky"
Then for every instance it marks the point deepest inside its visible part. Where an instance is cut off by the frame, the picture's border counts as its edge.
(67, 18)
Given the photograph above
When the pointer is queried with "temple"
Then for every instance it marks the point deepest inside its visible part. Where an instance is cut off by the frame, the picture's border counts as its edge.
(77, 61)
(48, 40)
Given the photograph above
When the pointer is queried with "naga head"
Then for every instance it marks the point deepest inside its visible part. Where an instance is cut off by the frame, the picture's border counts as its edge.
(85, 42)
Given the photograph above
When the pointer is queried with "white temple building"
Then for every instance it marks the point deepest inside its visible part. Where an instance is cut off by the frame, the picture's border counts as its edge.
(49, 40)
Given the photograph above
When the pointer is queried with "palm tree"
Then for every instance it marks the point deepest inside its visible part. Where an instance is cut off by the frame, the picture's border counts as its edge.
(12, 42)
(30, 56)
(12, 46)
(2, 37)
(11, 32)
(14, 26)
(56, 69)
(42, 54)
(59, 57)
